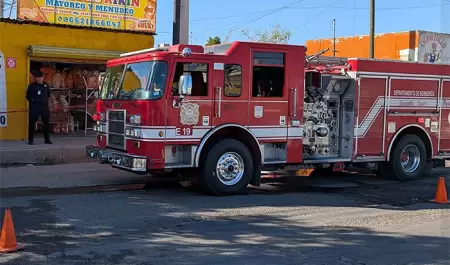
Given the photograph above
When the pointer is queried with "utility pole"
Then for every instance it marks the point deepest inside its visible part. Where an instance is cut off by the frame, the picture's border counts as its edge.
(176, 22)
(334, 37)
(180, 22)
(372, 30)
(2, 8)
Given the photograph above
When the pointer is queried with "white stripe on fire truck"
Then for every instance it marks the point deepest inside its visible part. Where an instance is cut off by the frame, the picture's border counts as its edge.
(369, 118)
(198, 133)
(279, 132)
(446, 103)
(398, 103)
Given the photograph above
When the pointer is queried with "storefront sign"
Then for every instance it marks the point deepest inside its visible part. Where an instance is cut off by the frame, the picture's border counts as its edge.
(10, 62)
(135, 15)
(3, 103)
(433, 47)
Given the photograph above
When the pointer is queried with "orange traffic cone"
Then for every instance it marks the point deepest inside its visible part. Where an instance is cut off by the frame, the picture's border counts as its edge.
(441, 193)
(8, 241)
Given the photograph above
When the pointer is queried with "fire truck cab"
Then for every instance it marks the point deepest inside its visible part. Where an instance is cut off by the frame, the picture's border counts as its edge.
(227, 111)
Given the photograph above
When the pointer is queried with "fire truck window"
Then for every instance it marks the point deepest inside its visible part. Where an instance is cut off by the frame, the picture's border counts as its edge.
(268, 58)
(159, 76)
(268, 81)
(135, 81)
(111, 82)
(233, 80)
(199, 73)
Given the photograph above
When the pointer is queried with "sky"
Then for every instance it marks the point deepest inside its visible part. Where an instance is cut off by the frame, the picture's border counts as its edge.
(305, 19)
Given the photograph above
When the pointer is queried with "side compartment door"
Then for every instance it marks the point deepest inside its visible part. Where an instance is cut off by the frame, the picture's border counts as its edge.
(444, 134)
(187, 119)
(370, 121)
(295, 70)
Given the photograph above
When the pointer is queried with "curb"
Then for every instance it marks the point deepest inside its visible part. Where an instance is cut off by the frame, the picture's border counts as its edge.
(44, 156)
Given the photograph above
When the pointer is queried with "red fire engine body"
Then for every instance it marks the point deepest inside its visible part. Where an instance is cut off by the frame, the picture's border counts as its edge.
(228, 111)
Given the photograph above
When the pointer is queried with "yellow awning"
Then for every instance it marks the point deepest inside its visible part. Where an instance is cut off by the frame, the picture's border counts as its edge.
(71, 53)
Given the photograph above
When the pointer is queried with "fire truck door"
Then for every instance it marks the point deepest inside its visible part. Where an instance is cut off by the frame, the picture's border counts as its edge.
(269, 102)
(187, 118)
(444, 134)
(230, 100)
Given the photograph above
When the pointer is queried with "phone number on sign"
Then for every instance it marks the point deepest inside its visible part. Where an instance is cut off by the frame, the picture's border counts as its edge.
(89, 22)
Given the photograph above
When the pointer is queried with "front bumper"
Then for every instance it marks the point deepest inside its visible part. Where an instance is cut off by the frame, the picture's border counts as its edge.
(137, 164)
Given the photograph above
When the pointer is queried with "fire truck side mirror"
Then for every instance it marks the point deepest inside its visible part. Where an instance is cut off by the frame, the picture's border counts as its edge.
(185, 85)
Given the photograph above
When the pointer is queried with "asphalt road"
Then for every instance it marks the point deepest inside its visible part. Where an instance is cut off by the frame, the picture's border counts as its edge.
(355, 221)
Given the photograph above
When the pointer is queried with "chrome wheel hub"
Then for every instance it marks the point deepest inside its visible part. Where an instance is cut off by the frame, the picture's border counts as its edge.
(410, 158)
(230, 168)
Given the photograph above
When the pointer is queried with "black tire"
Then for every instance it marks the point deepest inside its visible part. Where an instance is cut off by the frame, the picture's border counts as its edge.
(394, 167)
(208, 177)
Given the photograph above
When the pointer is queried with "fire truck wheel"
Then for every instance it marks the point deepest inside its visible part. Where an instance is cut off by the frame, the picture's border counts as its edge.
(227, 168)
(409, 159)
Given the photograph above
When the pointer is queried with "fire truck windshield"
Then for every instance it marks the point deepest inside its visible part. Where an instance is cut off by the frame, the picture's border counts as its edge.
(133, 81)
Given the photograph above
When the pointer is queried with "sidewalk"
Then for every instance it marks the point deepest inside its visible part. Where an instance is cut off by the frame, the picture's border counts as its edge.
(34, 179)
(64, 150)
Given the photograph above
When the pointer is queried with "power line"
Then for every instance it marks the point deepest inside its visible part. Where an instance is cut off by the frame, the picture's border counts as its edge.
(255, 18)
(377, 9)
(354, 17)
(316, 7)
(268, 14)
(239, 15)
(317, 15)
(246, 20)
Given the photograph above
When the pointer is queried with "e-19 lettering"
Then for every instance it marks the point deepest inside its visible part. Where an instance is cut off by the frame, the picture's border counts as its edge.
(185, 131)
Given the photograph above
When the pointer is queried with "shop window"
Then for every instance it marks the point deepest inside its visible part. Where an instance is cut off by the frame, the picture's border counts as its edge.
(268, 81)
(199, 73)
(232, 80)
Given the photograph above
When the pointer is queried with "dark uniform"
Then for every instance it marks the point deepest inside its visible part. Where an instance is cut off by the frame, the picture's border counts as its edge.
(38, 96)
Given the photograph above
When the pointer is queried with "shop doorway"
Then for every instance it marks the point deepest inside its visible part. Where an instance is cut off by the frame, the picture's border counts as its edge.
(74, 88)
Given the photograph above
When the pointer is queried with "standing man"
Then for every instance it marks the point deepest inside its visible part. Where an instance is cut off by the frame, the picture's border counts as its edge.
(38, 94)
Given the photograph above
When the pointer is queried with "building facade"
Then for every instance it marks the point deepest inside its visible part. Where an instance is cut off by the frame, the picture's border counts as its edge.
(72, 59)
(416, 46)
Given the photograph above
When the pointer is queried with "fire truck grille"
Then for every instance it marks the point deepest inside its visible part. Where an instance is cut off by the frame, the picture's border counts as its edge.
(116, 129)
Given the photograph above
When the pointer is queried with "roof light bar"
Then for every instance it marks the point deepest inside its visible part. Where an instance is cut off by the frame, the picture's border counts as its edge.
(157, 49)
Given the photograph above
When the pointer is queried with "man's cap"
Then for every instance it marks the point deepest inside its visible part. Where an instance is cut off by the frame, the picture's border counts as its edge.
(38, 74)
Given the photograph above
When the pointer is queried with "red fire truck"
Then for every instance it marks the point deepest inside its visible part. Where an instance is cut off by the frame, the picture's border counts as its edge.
(227, 112)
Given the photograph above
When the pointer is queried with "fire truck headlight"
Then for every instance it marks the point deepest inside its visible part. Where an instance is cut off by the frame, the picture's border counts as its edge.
(137, 119)
(139, 163)
(137, 132)
(100, 128)
(132, 119)
(133, 132)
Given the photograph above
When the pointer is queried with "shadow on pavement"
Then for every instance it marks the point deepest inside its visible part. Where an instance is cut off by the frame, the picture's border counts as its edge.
(172, 228)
